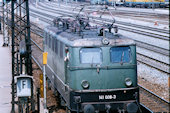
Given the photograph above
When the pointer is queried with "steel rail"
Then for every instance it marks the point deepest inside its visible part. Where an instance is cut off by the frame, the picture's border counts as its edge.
(42, 18)
(152, 93)
(147, 109)
(36, 62)
(143, 27)
(145, 33)
(37, 45)
(36, 32)
(163, 37)
(153, 65)
(153, 48)
(167, 64)
(154, 35)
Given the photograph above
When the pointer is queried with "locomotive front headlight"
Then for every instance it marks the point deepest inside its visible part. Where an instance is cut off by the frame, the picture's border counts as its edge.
(128, 82)
(85, 84)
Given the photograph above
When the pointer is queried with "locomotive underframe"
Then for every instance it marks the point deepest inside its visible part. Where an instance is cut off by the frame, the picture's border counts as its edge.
(99, 99)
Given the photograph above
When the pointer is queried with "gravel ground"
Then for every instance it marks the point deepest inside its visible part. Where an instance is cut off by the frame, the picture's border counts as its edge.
(52, 101)
(153, 80)
(154, 104)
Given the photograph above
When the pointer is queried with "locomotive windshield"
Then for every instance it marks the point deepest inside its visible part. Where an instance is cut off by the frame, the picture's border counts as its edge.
(120, 54)
(91, 55)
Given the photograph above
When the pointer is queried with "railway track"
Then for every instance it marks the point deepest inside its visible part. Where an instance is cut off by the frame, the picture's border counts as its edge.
(152, 62)
(122, 25)
(113, 11)
(153, 101)
(118, 10)
(130, 28)
(153, 32)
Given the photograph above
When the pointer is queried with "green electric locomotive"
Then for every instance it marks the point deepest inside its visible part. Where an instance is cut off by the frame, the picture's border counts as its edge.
(92, 68)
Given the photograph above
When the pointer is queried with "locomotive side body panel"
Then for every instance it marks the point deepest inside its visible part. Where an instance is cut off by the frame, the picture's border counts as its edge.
(55, 62)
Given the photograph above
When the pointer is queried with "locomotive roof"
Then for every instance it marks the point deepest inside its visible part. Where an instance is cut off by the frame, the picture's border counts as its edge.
(88, 38)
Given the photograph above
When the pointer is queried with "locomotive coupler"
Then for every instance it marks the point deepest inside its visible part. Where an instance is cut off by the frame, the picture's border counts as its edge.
(77, 100)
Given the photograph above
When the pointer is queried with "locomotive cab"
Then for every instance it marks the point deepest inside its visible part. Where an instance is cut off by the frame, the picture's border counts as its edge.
(102, 76)
(107, 64)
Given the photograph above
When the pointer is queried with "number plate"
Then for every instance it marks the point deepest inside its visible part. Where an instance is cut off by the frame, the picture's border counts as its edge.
(107, 97)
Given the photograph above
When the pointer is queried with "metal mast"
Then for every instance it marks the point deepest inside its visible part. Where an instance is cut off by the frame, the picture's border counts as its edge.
(5, 21)
(21, 50)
